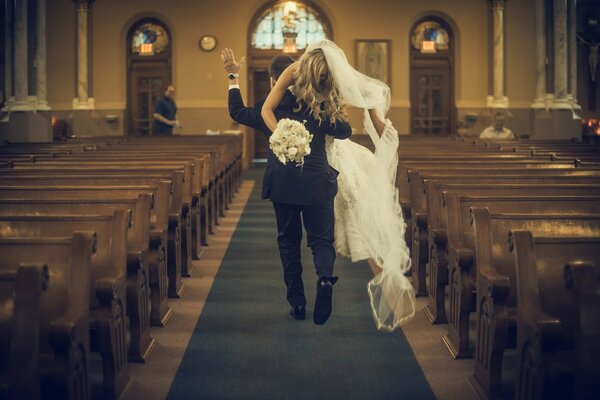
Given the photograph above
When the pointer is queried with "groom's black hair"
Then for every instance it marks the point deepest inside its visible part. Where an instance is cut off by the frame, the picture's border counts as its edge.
(279, 64)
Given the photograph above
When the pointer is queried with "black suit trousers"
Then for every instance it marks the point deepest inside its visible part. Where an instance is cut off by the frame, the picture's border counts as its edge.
(319, 224)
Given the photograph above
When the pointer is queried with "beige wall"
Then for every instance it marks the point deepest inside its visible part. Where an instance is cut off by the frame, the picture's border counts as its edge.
(199, 76)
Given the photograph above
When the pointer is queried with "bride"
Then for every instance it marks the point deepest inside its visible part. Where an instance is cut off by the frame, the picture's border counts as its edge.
(368, 218)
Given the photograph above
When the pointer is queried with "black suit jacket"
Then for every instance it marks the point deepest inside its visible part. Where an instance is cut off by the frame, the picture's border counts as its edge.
(313, 184)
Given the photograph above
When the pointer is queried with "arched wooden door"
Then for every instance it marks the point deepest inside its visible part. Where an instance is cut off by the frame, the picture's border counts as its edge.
(148, 72)
(431, 77)
(278, 27)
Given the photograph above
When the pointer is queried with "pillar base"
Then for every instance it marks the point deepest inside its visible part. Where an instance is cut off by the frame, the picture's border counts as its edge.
(497, 103)
(557, 123)
(88, 123)
(88, 104)
(26, 126)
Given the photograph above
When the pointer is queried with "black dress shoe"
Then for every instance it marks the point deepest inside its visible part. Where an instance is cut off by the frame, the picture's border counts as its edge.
(298, 312)
(323, 301)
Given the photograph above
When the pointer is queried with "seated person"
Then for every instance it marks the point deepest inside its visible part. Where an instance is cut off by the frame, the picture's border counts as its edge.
(497, 130)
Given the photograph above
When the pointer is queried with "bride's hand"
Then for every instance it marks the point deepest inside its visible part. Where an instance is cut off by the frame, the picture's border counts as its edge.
(286, 79)
(377, 123)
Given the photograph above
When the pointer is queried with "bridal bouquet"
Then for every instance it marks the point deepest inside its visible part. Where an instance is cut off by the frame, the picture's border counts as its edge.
(290, 142)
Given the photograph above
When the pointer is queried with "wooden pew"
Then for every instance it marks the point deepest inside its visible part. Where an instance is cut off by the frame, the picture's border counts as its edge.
(108, 310)
(496, 290)
(64, 334)
(558, 310)
(179, 190)
(424, 229)
(21, 294)
(138, 259)
(460, 305)
(460, 232)
(159, 234)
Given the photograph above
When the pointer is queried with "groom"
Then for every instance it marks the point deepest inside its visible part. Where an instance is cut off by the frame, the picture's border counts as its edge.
(297, 196)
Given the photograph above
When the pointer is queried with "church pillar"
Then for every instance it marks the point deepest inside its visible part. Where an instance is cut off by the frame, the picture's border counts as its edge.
(82, 101)
(40, 56)
(573, 53)
(498, 99)
(24, 121)
(8, 54)
(540, 54)
(21, 49)
(561, 63)
(564, 121)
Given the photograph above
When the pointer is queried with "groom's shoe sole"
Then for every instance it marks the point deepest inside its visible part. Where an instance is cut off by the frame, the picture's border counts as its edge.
(323, 304)
(298, 313)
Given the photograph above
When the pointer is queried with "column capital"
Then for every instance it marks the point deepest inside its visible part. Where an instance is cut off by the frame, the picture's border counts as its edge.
(498, 4)
(83, 5)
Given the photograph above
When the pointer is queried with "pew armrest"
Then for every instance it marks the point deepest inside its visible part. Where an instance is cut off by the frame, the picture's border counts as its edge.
(497, 285)
(63, 331)
(108, 289)
(420, 219)
(463, 257)
(439, 236)
(544, 326)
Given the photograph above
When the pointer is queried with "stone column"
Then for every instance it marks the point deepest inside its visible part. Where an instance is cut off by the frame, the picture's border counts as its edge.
(561, 62)
(540, 54)
(40, 56)
(498, 100)
(8, 55)
(20, 66)
(82, 101)
(573, 53)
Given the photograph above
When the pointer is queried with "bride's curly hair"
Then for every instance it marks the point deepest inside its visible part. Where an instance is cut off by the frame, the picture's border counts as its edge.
(315, 87)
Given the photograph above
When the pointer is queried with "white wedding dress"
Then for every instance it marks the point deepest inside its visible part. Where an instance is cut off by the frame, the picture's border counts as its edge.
(368, 218)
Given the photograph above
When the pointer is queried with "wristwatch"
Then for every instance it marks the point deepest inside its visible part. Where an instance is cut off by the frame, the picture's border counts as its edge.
(233, 76)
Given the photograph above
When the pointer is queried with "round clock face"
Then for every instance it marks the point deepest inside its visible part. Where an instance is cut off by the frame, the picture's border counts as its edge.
(208, 43)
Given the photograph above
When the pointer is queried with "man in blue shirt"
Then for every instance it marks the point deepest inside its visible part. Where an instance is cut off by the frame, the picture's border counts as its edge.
(165, 114)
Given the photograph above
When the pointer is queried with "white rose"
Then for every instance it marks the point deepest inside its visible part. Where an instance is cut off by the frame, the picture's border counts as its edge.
(292, 151)
(307, 150)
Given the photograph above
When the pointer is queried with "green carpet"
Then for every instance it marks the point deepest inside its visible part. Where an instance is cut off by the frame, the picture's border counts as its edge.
(246, 346)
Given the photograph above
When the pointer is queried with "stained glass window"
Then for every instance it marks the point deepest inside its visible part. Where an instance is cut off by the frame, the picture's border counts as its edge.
(149, 39)
(288, 26)
(429, 37)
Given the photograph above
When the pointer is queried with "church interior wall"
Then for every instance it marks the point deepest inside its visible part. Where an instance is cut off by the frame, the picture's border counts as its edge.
(199, 77)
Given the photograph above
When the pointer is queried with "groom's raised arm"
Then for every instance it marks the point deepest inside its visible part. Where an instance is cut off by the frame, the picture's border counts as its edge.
(340, 130)
(249, 116)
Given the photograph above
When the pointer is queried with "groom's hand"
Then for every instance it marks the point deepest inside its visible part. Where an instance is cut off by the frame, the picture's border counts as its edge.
(229, 63)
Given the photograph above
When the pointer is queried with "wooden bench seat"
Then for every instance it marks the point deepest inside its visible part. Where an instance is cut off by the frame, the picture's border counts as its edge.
(460, 233)
(108, 275)
(558, 315)
(163, 236)
(147, 268)
(495, 284)
(21, 295)
(64, 335)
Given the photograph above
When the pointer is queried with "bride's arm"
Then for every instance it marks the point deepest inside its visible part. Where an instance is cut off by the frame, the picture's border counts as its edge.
(285, 80)
(379, 124)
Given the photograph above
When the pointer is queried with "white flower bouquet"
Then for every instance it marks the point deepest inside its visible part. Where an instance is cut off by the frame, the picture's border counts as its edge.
(290, 142)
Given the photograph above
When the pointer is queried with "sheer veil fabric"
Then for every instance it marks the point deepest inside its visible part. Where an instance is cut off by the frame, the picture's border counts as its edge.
(368, 217)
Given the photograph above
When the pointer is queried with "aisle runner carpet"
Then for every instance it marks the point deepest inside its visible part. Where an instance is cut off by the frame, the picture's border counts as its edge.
(246, 346)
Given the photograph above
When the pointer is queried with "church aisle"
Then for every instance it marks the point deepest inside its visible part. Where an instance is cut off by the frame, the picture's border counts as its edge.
(246, 346)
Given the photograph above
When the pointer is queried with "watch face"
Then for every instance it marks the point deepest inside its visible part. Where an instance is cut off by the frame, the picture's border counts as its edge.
(208, 43)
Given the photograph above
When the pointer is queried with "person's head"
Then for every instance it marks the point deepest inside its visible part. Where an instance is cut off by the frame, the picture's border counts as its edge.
(170, 92)
(314, 86)
(278, 64)
(499, 121)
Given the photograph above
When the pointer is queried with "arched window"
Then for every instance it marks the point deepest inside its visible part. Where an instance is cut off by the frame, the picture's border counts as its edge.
(288, 26)
(430, 37)
(149, 39)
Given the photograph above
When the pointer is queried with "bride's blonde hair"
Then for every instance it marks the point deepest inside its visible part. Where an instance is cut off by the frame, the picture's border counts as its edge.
(314, 86)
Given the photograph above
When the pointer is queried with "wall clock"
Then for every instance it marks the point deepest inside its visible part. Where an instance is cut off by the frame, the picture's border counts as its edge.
(208, 42)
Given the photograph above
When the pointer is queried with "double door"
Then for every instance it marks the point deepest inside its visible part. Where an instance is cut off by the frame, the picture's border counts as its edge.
(146, 87)
(431, 111)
